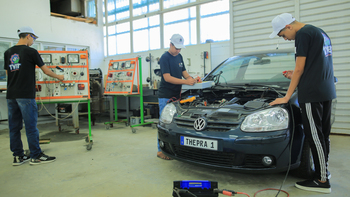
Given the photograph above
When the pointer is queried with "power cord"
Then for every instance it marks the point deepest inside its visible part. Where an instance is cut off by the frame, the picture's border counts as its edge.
(290, 152)
(272, 189)
(55, 116)
(227, 192)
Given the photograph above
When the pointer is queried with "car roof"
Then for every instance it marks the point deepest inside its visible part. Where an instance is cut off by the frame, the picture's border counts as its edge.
(290, 50)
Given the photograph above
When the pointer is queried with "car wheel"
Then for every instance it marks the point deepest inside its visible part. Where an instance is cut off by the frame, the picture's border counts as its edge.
(307, 166)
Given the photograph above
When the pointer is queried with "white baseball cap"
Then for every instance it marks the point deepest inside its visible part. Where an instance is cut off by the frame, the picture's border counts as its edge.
(178, 41)
(280, 22)
(27, 30)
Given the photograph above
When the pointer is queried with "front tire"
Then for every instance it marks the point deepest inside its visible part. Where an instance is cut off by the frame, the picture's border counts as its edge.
(307, 167)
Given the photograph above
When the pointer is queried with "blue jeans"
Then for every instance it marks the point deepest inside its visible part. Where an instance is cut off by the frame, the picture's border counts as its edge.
(26, 110)
(162, 103)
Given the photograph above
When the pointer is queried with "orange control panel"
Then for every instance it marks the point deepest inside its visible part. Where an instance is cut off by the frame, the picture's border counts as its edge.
(75, 68)
(121, 75)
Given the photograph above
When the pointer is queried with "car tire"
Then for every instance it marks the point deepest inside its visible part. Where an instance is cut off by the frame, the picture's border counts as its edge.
(307, 167)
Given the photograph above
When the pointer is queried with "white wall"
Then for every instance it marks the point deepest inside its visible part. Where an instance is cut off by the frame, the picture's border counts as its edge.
(36, 14)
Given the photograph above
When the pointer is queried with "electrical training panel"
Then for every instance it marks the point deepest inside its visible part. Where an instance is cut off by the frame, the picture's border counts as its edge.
(75, 68)
(121, 75)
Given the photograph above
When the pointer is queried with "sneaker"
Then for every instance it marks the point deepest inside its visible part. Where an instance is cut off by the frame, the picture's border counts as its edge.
(19, 160)
(314, 185)
(42, 158)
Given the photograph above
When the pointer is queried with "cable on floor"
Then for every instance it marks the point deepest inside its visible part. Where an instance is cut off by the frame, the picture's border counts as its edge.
(271, 189)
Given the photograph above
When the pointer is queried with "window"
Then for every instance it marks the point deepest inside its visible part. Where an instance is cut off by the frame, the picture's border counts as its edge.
(104, 11)
(117, 10)
(3, 77)
(146, 34)
(112, 41)
(105, 40)
(144, 6)
(210, 28)
(53, 48)
(119, 38)
(173, 3)
(181, 22)
(75, 48)
(144, 23)
(36, 46)
(91, 8)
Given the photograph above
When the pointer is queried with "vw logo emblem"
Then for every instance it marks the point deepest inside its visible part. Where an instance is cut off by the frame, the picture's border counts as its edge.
(200, 124)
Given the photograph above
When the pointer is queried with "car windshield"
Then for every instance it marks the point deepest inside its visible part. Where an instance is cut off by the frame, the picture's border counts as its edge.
(257, 69)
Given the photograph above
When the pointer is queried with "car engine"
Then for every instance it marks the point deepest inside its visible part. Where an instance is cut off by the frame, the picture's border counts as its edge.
(229, 98)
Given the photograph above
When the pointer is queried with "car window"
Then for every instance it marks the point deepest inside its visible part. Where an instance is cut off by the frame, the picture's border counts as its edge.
(258, 68)
(269, 67)
(231, 69)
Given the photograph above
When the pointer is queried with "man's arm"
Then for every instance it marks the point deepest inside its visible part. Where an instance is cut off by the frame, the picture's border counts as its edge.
(185, 74)
(298, 71)
(49, 72)
(170, 79)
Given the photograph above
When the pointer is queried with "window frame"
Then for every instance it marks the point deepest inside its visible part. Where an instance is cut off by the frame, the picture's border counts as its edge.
(161, 12)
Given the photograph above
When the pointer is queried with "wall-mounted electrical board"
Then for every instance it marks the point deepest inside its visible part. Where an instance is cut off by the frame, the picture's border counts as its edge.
(75, 68)
(121, 75)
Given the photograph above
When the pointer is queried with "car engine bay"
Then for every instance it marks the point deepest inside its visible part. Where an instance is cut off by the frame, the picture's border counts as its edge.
(214, 98)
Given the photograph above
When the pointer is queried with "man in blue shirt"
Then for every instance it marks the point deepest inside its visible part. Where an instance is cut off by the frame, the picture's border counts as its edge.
(172, 69)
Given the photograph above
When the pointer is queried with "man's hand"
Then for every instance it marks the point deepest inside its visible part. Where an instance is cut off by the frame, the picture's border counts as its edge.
(60, 77)
(279, 101)
(190, 81)
(288, 74)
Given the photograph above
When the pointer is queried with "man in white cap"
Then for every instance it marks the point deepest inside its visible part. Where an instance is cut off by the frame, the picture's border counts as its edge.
(172, 70)
(313, 75)
(20, 61)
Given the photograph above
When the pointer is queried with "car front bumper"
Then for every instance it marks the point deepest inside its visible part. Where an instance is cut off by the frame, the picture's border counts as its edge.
(244, 153)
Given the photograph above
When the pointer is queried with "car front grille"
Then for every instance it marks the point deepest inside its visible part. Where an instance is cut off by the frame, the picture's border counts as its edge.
(204, 156)
(215, 158)
(211, 126)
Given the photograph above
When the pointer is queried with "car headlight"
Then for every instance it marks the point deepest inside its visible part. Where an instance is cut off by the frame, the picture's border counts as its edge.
(168, 113)
(272, 119)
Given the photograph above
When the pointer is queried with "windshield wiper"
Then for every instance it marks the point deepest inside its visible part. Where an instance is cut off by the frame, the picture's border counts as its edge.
(276, 87)
(215, 78)
(231, 86)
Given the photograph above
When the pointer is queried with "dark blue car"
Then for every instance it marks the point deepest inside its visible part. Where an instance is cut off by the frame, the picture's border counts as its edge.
(229, 123)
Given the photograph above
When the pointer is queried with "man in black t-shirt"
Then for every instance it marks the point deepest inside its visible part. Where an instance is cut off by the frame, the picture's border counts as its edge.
(313, 75)
(20, 62)
(172, 70)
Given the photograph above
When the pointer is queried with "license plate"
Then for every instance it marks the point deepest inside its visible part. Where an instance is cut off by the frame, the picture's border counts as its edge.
(199, 143)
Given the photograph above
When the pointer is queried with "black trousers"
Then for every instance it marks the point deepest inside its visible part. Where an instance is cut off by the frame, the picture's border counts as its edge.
(316, 119)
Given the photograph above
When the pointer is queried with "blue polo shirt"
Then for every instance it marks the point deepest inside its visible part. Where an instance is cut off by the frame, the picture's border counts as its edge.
(173, 65)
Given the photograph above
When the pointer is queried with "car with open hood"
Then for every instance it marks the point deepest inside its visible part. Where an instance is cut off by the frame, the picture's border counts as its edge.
(226, 121)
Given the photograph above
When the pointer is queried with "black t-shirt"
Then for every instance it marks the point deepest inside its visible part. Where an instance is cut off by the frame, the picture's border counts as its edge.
(20, 62)
(317, 82)
(174, 66)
